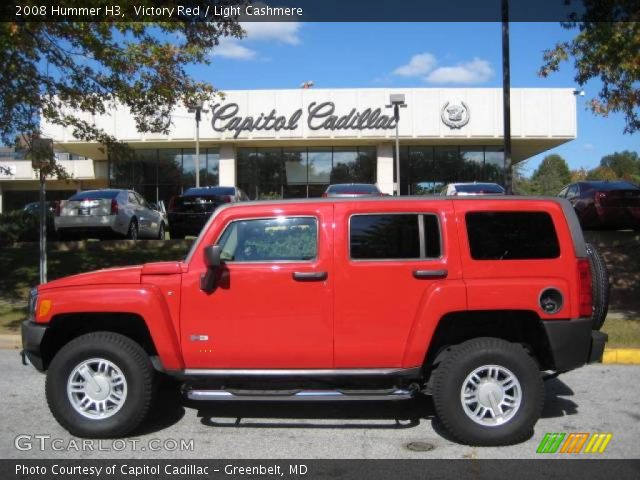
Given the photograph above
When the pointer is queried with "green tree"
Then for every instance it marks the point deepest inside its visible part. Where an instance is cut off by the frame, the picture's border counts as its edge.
(65, 72)
(625, 164)
(579, 175)
(551, 175)
(607, 46)
(602, 173)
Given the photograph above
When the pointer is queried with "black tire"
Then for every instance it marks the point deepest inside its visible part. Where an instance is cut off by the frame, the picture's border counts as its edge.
(451, 375)
(161, 231)
(132, 232)
(136, 368)
(599, 286)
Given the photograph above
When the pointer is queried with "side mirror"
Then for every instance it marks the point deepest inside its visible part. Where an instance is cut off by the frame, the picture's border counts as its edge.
(212, 256)
(213, 262)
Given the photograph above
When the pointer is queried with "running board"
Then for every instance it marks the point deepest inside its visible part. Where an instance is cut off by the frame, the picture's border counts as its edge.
(302, 395)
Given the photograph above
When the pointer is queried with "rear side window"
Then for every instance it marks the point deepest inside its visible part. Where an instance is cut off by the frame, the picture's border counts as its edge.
(511, 235)
(404, 236)
(95, 195)
(270, 240)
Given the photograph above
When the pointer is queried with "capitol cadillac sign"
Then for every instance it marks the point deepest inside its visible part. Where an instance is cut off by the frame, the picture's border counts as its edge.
(320, 116)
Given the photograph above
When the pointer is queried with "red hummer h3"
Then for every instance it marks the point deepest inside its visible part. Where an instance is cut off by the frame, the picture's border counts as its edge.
(468, 300)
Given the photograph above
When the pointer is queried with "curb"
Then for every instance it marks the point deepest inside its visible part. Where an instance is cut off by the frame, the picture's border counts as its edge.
(625, 356)
(620, 356)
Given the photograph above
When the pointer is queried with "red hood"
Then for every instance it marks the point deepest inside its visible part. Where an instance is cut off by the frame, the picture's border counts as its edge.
(99, 277)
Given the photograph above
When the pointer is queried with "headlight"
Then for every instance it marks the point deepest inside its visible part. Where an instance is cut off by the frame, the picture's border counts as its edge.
(33, 300)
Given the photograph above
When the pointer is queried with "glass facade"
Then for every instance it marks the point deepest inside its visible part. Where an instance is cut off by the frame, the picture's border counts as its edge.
(265, 173)
(301, 172)
(425, 170)
(158, 174)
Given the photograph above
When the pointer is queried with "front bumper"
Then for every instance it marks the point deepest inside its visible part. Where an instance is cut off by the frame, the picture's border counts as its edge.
(573, 343)
(32, 335)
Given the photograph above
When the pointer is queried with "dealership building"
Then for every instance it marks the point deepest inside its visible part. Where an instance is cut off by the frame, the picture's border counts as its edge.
(294, 143)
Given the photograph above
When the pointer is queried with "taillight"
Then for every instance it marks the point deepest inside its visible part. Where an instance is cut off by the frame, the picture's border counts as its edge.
(227, 199)
(56, 209)
(325, 195)
(172, 204)
(600, 196)
(584, 288)
(114, 206)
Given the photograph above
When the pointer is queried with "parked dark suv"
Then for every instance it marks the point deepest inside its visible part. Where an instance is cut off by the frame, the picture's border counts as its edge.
(189, 212)
(604, 204)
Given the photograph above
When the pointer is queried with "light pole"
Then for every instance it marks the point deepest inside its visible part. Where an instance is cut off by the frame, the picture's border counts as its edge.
(506, 98)
(396, 101)
(42, 158)
(198, 109)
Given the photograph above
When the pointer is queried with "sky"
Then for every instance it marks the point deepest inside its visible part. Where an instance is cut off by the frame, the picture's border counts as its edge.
(369, 55)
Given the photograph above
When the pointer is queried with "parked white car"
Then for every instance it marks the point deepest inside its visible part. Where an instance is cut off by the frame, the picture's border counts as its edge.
(108, 213)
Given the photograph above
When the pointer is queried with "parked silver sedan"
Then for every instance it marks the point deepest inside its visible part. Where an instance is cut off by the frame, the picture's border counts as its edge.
(108, 213)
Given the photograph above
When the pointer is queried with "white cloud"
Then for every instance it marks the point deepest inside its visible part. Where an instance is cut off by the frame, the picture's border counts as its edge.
(285, 32)
(475, 71)
(588, 146)
(234, 48)
(418, 65)
(231, 48)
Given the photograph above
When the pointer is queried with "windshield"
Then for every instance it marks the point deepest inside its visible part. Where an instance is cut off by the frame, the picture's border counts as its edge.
(353, 188)
(480, 188)
(209, 191)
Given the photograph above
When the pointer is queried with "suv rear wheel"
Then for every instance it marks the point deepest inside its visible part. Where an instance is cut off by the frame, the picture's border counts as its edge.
(100, 385)
(488, 391)
(599, 286)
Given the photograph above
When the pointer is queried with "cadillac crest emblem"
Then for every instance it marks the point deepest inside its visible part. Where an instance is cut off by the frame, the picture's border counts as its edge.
(454, 115)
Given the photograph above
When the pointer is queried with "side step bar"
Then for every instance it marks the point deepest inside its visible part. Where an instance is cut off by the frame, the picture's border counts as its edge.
(302, 395)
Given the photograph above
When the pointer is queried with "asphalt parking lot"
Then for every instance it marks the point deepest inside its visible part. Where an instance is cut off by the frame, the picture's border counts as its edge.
(597, 398)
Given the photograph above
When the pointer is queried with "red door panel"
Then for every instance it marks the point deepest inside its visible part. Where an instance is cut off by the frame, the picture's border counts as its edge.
(261, 316)
(378, 302)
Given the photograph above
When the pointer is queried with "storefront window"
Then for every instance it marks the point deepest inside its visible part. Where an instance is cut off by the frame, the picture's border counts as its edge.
(353, 165)
(472, 164)
(159, 174)
(320, 165)
(170, 167)
(295, 170)
(420, 171)
(425, 170)
(302, 172)
(211, 175)
(493, 165)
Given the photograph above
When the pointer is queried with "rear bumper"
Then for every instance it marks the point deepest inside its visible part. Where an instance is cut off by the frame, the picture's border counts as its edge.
(573, 343)
(92, 224)
(32, 335)
(187, 224)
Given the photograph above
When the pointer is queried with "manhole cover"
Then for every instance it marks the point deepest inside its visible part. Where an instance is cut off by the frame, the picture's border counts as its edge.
(420, 446)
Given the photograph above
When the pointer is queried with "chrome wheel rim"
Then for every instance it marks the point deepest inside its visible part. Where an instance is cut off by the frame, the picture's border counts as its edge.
(491, 395)
(97, 388)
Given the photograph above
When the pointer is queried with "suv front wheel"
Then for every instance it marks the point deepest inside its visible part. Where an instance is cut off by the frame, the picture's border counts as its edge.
(488, 391)
(100, 385)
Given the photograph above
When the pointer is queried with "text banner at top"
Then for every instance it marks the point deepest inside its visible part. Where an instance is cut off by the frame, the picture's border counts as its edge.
(320, 10)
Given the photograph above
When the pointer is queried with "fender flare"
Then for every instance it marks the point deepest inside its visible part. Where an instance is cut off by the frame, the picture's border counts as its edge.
(144, 300)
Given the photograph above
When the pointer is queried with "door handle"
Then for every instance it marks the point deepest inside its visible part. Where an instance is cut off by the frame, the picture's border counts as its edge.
(310, 276)
(430, 274)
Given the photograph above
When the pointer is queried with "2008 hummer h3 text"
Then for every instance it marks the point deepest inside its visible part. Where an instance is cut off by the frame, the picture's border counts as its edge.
(468, 300)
